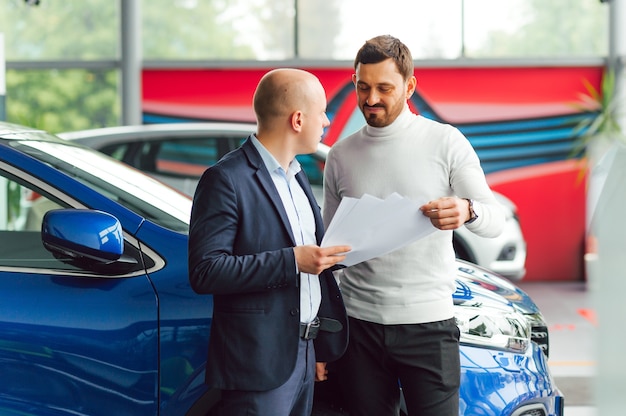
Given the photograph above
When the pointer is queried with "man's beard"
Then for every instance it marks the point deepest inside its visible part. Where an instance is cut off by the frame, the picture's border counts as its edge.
(385, 118)
(375, 119)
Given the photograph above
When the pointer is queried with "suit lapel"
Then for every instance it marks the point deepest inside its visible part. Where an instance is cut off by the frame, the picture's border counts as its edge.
(270, 189)
(265, 180)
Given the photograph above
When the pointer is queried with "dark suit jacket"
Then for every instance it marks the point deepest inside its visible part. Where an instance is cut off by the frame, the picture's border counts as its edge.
(241, 251)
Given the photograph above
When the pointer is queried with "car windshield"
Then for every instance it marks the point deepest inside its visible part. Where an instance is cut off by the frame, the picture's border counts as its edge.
(138, 192)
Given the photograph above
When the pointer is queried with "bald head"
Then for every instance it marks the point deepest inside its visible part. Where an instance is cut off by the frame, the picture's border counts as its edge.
(282, 92)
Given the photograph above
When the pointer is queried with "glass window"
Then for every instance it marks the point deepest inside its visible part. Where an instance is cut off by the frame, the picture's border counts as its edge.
(535, 28)
(240, 32)
(122, 184)
(62, 100)
(449, 29)
(429, 29)
(21, 212)
(250, 30)
(22, 209)
(60, 30)
(187, 157)
(196, 29)
(174, 156)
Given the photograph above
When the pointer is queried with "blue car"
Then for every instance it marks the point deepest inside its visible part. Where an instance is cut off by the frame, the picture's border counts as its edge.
(97, 316)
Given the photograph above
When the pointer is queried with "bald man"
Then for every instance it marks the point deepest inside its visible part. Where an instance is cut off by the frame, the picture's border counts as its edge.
(254, 245)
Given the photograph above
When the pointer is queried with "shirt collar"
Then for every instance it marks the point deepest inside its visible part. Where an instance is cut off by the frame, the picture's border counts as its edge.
(270, 161)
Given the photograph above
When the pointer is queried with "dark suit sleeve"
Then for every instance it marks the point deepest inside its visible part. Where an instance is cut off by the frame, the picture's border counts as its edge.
(235, 242)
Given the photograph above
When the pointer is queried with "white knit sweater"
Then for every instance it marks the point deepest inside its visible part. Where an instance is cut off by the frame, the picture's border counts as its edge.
(423, 160)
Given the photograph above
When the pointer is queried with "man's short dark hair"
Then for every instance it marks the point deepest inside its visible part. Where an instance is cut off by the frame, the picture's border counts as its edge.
(384, 47)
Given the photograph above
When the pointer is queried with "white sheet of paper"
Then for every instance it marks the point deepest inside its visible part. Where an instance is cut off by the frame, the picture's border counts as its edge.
(374, 227)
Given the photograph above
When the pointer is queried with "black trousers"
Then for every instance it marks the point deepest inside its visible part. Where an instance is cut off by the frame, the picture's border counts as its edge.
(422, 359)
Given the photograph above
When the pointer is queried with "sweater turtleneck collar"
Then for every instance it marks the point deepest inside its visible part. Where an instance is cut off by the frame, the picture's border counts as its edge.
(388, 132)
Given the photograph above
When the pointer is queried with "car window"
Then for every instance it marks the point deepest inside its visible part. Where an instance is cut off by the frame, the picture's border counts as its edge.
(21, 211)
(22, 208)
(188, 157)
(126, 186)
(117, 151)
(185, 157)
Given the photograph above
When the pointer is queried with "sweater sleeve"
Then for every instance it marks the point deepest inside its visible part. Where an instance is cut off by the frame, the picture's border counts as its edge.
(331, 194)
(468, 181)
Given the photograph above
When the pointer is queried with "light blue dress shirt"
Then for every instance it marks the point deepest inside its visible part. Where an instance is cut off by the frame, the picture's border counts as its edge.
(302, 223)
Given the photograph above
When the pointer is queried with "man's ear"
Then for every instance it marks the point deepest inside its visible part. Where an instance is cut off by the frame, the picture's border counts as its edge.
(296, 120)
(410, 87)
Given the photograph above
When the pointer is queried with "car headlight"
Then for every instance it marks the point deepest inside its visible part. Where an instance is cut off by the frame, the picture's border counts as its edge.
(491, 327)
(539, 331)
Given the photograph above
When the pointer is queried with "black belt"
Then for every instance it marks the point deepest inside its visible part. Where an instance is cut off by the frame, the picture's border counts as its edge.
(310, 330)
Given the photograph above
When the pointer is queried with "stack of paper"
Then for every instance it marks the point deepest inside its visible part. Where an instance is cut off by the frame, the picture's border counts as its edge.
(373, 226)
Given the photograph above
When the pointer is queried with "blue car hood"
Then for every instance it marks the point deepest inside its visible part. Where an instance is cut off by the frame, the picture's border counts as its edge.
(475, 283)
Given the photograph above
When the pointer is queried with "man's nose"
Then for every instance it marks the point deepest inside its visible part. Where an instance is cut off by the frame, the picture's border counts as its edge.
(372, 99)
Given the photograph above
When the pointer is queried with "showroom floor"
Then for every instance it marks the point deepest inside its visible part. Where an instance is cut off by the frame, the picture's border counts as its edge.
(567, 307)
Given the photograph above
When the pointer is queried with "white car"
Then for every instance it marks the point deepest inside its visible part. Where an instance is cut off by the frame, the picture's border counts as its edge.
(178, 153)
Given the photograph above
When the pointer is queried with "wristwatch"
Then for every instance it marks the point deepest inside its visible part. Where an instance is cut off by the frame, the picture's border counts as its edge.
(473, 216)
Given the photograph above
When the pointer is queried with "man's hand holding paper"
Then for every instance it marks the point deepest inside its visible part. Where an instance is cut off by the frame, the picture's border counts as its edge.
(373, 227)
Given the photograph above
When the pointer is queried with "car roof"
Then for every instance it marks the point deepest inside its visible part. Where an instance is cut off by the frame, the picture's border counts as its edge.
(10, 131)
(7, 129)
(157, 130)
(106, 135)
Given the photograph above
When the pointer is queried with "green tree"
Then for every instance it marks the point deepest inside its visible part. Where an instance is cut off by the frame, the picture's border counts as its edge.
(60, 30)
(62, 100)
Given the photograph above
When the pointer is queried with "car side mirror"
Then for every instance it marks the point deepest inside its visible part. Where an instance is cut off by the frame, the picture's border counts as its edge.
(80, 234)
